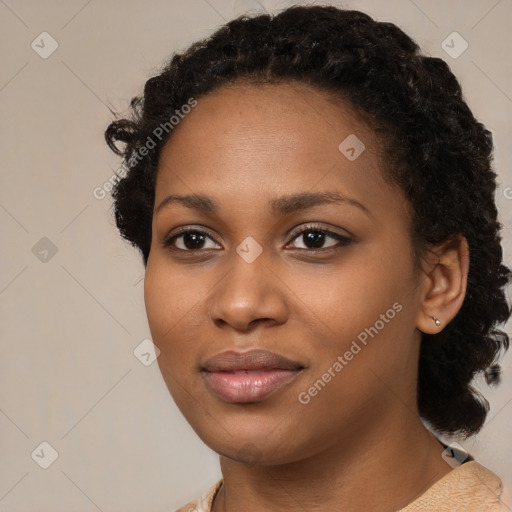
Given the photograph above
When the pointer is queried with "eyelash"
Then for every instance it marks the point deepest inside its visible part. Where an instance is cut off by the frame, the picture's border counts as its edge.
(342, 240)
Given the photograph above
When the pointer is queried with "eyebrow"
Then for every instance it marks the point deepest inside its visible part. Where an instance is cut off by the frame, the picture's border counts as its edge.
(281, 206)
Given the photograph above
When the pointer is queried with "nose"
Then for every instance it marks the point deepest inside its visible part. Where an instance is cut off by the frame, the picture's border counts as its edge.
(249, 294)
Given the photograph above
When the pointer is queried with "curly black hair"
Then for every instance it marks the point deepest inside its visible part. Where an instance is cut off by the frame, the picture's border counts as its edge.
(437, 153)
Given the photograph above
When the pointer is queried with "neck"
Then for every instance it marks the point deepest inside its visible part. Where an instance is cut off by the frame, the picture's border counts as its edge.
(380, 471)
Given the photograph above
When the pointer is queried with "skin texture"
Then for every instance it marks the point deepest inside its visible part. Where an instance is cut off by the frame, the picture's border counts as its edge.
(244, 145)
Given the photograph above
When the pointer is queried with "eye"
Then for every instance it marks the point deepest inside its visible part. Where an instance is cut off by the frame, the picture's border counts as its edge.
(314, 237)
(188, 240)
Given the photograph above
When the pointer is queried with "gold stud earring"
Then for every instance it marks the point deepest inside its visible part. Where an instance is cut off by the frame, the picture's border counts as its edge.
(436, 320)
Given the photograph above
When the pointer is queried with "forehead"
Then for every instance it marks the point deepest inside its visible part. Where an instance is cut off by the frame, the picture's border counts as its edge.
(282, 117)
(247, 141)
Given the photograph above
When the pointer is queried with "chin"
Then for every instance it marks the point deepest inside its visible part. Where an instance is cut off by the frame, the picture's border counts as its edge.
(253, 448)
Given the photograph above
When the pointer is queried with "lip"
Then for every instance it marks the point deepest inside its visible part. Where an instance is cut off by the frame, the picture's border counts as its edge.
(250, 376)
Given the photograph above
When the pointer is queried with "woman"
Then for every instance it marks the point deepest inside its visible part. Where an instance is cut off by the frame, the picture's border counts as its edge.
(314, 204)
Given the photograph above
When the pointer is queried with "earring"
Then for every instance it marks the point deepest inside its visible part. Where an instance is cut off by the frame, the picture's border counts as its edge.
(436, 320)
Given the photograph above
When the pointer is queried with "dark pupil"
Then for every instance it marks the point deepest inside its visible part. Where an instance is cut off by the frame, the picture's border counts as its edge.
(315, 238)
(195, 238)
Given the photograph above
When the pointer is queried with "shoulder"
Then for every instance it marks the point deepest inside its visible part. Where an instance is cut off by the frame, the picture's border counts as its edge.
(204, 503)
(469, 486)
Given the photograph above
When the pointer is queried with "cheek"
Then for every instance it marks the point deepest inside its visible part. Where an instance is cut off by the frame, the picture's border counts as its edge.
(354, 296)
(366, 316)
(170, 311)
(170, 304)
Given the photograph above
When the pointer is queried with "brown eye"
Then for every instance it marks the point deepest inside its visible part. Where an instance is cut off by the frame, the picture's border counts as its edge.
(315, 238)
(188, 240)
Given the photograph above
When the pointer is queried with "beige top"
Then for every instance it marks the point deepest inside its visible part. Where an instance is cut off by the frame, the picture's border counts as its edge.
(469, 487)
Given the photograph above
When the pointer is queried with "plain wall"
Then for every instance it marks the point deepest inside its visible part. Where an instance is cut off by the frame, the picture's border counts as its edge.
(71, 322)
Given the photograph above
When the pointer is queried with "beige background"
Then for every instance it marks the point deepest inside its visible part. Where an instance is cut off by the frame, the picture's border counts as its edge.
(70, 324)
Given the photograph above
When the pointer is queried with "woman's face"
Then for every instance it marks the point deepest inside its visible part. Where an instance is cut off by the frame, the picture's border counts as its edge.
(264, 269)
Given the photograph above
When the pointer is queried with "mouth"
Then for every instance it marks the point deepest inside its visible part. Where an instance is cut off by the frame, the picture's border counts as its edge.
(245, 377)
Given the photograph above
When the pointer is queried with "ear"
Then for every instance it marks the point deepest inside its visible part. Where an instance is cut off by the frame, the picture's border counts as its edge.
(444, 288)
